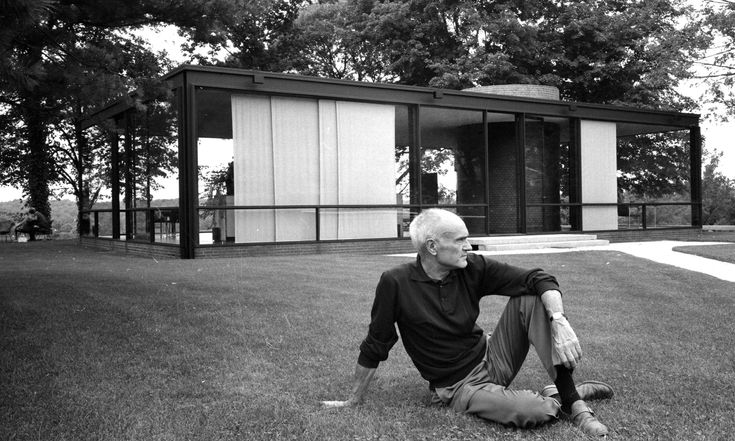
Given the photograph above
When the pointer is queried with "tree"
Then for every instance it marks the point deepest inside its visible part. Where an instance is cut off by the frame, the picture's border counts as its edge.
(369, 40)
(619, 52)
(73, 55)
(718, 64)
(603, 51)
(654, 166)
(256, 34)
(22, 87)
(718, 197)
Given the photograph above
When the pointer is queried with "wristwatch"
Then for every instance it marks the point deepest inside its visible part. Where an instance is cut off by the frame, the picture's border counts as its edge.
(557, 316)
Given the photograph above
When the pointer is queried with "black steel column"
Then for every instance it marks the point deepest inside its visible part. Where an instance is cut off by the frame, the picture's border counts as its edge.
(521, 170)
(115, 184)
(695, 160)
(188, 200)
(414, 156)
(129, 178)
(575, 174)
(486, 149)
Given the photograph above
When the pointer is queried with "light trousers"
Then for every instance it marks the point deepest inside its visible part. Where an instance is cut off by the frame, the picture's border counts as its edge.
(484, 391)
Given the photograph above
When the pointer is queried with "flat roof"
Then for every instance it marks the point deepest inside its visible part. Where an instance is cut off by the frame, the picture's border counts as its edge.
(630, 119)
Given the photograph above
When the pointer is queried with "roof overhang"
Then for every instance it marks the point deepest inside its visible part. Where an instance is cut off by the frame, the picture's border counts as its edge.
(630, 120)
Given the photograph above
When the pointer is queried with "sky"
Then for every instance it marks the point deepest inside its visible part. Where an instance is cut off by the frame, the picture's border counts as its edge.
(718, 135)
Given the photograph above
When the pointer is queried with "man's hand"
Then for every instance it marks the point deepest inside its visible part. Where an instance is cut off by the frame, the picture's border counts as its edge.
(566, 349)
(363, 376)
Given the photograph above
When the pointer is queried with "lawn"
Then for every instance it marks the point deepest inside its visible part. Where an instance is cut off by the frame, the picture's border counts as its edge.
(722, 252)
(100, 346)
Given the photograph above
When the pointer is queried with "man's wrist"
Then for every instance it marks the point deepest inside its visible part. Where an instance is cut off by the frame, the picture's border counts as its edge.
(557, 316)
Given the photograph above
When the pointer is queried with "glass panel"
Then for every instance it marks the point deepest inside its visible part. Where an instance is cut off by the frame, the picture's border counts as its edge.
(142, 225)
(667, 216)
(144, 141)
(453, 161)
(276, 151)
(654, 168)
(547, 173)
(503, 197)
(97, 224)
(165, 225)
(406, 178)
(149, 165)
(216, 173)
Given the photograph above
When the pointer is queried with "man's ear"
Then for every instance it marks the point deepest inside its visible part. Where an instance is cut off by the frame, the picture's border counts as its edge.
(431, 246)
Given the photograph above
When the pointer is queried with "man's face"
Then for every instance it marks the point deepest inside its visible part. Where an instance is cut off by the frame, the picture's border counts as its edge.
(452, 246)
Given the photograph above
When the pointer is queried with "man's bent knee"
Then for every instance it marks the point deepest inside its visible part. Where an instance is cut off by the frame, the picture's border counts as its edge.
(522, 408)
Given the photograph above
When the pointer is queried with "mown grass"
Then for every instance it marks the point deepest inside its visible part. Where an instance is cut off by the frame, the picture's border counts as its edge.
(722, 252)
(100, 346)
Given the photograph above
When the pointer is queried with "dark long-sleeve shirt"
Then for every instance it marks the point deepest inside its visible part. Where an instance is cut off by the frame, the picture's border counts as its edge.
(437, 320)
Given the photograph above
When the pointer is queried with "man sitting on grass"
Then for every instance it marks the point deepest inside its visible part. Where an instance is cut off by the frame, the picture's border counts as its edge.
(435, 303)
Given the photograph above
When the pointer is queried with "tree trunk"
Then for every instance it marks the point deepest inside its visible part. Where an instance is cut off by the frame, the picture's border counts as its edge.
(37, 162)
(82, 193)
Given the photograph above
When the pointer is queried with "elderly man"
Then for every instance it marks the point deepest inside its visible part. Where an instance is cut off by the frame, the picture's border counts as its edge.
(435, 303)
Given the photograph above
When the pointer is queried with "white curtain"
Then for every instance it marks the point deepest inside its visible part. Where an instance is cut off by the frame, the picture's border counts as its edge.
(599, 174)
(366, 140)
(253, 168)
(295, 166)
(291, 151)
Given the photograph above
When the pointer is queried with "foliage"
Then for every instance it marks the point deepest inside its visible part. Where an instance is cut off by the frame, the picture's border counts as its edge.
(70, 57)
(154, 148)
(377, 41)
(654, 165)
(718, 198)
(64, 216)
(605, 51)
(255, 34)
(718, 65)
(438, 160)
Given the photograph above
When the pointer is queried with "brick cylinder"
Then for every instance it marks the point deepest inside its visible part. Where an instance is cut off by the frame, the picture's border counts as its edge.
(522, 90)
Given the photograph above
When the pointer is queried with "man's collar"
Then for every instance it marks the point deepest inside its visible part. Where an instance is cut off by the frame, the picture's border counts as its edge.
(418, 274)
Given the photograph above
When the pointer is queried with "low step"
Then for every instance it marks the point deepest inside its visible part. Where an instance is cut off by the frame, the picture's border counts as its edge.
(536, 241)
(542, 245)
(530, 238)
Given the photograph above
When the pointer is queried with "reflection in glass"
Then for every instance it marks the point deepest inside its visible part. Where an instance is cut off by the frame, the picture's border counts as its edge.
(654, 168)
(546, 167)
(453, 162)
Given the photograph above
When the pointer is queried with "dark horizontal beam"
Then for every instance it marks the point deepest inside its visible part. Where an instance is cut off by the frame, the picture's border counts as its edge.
(296, 85)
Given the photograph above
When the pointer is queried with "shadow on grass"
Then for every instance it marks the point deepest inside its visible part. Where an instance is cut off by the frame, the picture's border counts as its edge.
(95, 345)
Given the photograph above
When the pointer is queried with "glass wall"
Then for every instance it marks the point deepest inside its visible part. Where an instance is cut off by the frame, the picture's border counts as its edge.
(453, 163)
(98, 178)
(142, 143)
(150, 179)
(654, 183)
(406, 174)
(215, 171)
(547, 173)
(284, 169)
(503, 207)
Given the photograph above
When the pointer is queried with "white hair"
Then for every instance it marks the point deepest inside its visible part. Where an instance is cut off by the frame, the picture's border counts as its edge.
(430, 223)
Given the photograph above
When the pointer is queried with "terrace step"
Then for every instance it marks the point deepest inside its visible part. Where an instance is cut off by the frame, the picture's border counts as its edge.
(534, 242)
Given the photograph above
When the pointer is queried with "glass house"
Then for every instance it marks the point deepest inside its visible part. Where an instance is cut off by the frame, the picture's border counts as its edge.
(241, 162)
